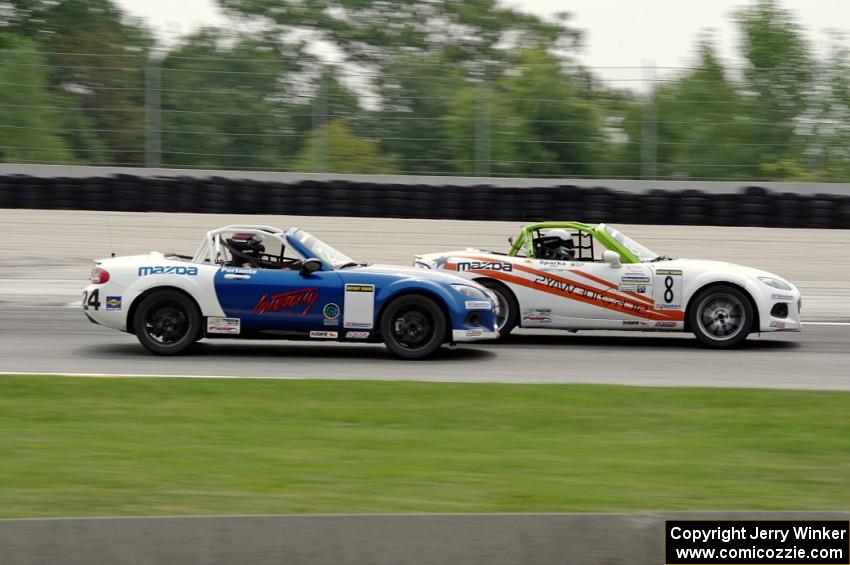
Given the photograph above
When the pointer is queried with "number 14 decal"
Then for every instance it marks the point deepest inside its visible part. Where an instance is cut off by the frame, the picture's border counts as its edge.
(91, 300)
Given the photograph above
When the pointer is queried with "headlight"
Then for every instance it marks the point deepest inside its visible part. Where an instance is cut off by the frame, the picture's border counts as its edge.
(470, 291)
(775, 283)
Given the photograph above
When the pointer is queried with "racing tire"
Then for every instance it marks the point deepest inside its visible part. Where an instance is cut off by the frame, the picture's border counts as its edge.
(721, 316)
(508, 317)
(413, 327)
(167, 322)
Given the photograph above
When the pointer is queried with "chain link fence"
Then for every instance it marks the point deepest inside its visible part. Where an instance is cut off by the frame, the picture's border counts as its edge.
(532, 120)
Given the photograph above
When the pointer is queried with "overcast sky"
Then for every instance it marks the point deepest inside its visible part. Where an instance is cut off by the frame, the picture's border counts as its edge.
(617, 33)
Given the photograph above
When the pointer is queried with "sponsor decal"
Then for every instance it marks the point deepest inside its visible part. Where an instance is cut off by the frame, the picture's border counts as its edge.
(674, 272)
(113, 302)
(238, 271)
(231, 276)
(485, 266)
(634, 279)
(636, 282)
(357, 335)
(541, 315)
(359, 288)
(217, 325)
(295, 302)
(550, 263)
(631, 323)
(472, 333)
(331, 311)
(168, 270)
(594, 295)
(331, 314)
(777, 324)
(781, 297)
(478, 305)
(665, 324)
(323, 335)
(638, 288)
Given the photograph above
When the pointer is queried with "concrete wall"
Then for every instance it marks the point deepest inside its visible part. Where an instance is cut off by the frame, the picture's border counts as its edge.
(577, 539)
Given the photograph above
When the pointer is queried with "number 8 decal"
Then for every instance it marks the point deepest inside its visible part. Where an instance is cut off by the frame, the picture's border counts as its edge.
(668, 293)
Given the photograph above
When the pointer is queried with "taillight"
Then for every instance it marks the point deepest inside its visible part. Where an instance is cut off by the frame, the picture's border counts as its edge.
(99, 276)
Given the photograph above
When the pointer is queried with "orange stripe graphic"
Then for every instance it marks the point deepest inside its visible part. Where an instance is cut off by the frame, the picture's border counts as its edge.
(594, 299)
(610, 284)
(667, 314)
(642, 308)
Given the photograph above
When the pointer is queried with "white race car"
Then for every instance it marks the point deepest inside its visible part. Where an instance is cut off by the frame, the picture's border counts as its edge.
(576, 276)
(261, 282)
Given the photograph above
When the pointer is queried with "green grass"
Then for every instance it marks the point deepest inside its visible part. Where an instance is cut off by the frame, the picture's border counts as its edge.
(75, 447)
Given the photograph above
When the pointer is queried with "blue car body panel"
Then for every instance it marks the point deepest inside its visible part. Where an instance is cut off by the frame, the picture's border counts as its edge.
(290, 302)
(279, 299)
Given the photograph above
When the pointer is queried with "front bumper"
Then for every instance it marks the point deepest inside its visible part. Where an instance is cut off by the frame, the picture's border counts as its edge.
(473, 335)
(790, 321)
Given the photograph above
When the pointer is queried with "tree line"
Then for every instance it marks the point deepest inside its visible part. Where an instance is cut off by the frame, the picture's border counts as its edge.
(443, 87)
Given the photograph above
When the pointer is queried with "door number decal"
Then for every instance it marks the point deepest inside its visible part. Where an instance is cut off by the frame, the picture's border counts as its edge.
(668, 294)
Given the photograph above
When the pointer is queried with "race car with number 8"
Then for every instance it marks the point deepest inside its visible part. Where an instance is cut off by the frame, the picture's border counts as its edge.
(577, 276)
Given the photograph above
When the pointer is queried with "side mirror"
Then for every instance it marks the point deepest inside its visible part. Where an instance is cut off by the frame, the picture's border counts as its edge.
(612, 258)
(310, 266)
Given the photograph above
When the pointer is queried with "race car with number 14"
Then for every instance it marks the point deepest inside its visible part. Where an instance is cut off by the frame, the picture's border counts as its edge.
(577, 276)
(252, 281)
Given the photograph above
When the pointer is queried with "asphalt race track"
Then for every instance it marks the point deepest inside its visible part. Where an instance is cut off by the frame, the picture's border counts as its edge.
(40, 334)
(48, 339)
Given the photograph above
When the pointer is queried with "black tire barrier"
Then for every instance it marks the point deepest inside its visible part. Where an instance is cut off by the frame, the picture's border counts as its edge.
(750, 206)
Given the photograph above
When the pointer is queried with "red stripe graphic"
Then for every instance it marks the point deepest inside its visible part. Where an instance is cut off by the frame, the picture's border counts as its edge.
(603, 281)
(594, 297)
(642, 308)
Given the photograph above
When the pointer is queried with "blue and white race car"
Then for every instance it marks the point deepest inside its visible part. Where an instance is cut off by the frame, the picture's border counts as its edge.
(253, 281)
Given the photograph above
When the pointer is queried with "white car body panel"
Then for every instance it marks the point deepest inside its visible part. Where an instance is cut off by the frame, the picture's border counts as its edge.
(598, 295)
(126, 282)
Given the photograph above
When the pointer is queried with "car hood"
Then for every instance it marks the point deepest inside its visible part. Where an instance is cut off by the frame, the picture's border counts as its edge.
(706, 265)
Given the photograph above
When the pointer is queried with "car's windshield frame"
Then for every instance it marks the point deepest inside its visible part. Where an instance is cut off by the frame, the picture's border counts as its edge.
(319, 249)
(641, 252)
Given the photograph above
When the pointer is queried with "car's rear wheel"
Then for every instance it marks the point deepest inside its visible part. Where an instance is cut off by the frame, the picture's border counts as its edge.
(508, 316)
(721, 316)
(413, 327)
(167, 322)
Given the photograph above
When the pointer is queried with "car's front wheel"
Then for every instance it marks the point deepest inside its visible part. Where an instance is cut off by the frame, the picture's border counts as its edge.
(721, 316)
(413, 327)
(508, 316)
(167, 322)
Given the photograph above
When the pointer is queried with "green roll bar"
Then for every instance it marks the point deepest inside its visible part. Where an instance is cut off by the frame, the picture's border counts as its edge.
(523, 241)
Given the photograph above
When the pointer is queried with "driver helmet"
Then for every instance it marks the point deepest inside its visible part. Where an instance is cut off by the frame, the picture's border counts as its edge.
(560, 242)
(249, 244)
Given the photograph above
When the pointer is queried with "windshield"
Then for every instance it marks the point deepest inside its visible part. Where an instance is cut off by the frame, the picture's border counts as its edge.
(636, 249)
(321, 250)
